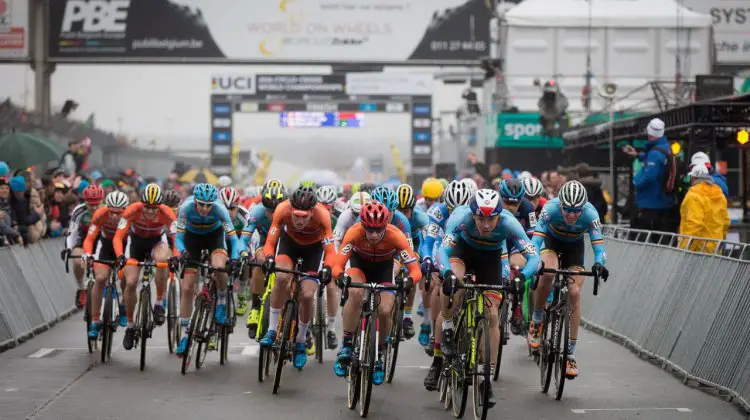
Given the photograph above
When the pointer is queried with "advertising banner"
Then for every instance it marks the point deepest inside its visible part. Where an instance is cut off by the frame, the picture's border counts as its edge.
(14, 29)
(270, 30)
(731, 27)
(523, 130)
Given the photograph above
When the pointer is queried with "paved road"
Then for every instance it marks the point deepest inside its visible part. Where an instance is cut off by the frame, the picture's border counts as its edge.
(52, 377)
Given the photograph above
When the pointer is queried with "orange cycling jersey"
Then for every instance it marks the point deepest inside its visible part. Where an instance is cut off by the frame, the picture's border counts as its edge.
(251, 201)
(317, 230)
(133, 221)
(103, 223)
(394, 241)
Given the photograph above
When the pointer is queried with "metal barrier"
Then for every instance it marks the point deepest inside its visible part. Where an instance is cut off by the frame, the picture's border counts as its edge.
(680, 308)
(35, 291)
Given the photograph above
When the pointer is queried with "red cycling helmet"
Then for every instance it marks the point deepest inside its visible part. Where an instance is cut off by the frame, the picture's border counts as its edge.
(374, 215)
(93, 194)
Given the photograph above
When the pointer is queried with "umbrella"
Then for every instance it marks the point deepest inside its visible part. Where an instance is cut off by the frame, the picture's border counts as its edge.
(199, 175)
(22, 150)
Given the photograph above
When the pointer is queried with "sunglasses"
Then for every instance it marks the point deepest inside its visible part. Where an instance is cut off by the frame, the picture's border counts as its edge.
(572, 210)
(203, 204)
(150, 209)
(374, 230)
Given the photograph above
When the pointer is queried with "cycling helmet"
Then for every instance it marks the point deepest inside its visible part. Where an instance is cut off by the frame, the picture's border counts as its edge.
(326, 194)
(486, 203)
(224, 181)
(473, 187)
(308, 183)
(355, 187)
(271, 183)
(533, 187)
(229, 197)
(93, 194)
(456, 194)
(151, 195)
(206, 193)
(524, 175)
(405, 195)
(172, 198)
(303, 198)
(512, 190)
(357, 200)
(387, 196)
(432, 188)
(273, 196)
(117, 200)
(374, 215)
(573, 195)
(444, 182)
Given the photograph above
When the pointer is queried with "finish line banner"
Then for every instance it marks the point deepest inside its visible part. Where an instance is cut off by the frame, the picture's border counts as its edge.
(269, 30)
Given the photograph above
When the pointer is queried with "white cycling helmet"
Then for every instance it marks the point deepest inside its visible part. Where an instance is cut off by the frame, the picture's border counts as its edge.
(229, 196)
(326, 194)
(340, 205)
(473, 187)
(573, 195)
(525, 175)
(533, 187)
(357, 200)
(224, 181)
(486, 203)
(456, 194)
(116, 200)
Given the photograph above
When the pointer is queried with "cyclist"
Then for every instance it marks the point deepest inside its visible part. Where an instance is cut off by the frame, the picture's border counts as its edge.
(471, 184)
(143, 224)
(562, 225)
(432, 189)
(172, 199)
(371, 247)
(204, 223)
(475, 240)
(224, 181)
(259, 219)
(308, 183)
(230, 198)
(418, 221)
(535, 194)
(513, 193)
(349, 216)
(101, 231)
(80, 219)
(327, 196)
(301, 228)
(456, 194)
(389, 199)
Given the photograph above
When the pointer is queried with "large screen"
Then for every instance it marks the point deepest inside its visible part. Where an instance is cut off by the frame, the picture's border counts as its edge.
(321, 119)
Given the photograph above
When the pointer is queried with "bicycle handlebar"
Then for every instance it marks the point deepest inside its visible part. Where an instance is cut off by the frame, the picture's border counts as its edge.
(135, 263)
(399, 286)
(556, 271)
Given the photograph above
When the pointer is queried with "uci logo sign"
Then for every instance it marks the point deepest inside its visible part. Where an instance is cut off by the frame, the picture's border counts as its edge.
(95, 15)
(244, 84)
(519, 130)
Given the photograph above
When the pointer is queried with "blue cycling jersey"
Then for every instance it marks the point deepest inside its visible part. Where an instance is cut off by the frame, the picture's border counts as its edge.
(256, 220)
(438, 215)
(418, 221)
(461, 225)
(402, 223)
(526, 216)
(190, 220)
(551, 222)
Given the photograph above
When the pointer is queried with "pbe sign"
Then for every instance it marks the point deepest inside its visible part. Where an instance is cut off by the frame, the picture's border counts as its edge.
(520, 130)
(96, 15)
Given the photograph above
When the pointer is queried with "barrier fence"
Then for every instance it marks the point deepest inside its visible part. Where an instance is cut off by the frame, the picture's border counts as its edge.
(681, 308)
(35, 290)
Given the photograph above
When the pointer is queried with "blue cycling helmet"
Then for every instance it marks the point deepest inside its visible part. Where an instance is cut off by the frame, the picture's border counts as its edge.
(387, 196)
(206, 193)
(512, 190)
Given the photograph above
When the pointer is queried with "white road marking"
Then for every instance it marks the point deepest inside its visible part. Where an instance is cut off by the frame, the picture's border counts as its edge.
(251, 350)
(413, 367)
(585, 410)
(41, 353)
(11, 389)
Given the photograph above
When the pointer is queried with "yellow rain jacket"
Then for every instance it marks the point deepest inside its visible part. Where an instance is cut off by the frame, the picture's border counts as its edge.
(704, 214)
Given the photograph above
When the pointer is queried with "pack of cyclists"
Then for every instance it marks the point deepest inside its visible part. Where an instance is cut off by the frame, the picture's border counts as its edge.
(434, 234)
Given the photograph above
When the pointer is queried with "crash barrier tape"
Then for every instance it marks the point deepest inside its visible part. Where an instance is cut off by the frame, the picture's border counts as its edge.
(35, 290)
(682, 309)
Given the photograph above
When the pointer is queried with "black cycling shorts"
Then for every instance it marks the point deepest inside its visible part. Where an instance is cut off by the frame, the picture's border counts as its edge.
(570, 254)
(104, 249)
(485, 264)
(375, 272)
(195, 243)
(140, 249)
(311, 254)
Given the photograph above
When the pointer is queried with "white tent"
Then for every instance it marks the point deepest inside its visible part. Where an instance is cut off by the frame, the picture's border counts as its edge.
(605, 13)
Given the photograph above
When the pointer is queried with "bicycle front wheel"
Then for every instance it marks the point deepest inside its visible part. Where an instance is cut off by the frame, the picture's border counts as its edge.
(107, 322)
(503, 321)
(145, 322)
(546, 351)
(459, 370)
(225, 330)
(173, 326)
(394, 338)
(368, 365)
(319, 327)
(286, 343)
(482, 369)
(87, 317)
(562, 338)
(206, 330)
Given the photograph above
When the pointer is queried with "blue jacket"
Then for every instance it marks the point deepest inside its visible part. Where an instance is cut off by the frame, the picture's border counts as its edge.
(649, 181)
(721, 181)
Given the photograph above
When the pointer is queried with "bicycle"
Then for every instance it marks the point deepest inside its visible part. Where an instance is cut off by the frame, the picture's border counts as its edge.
(111, 299)
(144, 315)
(174, 331)
(365, 352)
(472, 351)
(553, 351)
(264, 354)
(504, 324)
(319, 324)
(87, 318)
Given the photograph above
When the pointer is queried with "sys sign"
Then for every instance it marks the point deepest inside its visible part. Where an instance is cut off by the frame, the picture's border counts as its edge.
(228, 84)
(523, 130)
(95, 16)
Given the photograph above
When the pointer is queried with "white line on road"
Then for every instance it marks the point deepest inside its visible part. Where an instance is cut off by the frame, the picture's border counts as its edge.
(251, 350)
(585, 410)
(41, 353)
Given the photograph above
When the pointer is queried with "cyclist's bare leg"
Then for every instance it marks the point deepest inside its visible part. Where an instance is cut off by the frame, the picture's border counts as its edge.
(280, 291)
(385, 308)
(187, 291)
(448, 309)
(517, 260)
(308, 290)
(219, 260)
(79, 268)
(544, 286)
(257, 281)
(131, 298)
(332, 304)
(574, 296)
(492, 317)
(160, 253)
(434, 299)
(353, 304)
(101, 274)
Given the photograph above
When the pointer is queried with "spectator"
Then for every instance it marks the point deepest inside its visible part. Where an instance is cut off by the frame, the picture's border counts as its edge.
(4, 171)
(108, 185)
(488, 174)
(7, 231)
(22, 214)
(58, 217)
(701, 158)
(38, 229)
(70, 162)
(656, 209)
(703, 212)
(593, 185)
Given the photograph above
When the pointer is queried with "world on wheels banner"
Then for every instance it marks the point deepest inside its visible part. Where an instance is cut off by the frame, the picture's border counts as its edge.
(14, 29)
(270, 30)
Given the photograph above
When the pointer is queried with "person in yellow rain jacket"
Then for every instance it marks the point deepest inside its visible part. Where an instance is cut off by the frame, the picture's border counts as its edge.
(703, 212)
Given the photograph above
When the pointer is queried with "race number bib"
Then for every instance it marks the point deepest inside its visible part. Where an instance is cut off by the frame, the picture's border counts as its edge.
(432, 230)
(123, 224)
(532, 219)
(347, 249)
(597, 224)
